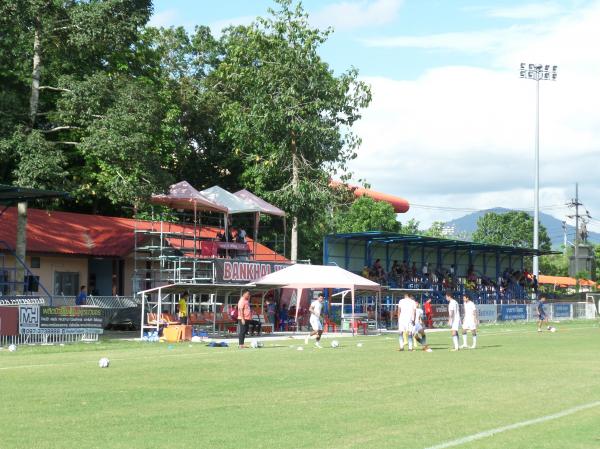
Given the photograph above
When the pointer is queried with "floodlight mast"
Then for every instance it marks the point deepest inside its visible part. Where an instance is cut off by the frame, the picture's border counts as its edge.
(537, 72)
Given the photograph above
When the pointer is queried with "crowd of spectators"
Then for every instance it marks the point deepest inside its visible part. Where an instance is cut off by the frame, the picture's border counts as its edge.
(510, 284)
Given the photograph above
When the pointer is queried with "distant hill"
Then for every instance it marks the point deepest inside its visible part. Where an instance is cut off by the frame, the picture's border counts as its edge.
(468, 224)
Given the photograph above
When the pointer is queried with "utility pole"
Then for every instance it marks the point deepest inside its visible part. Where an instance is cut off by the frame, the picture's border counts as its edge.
(575, 203)
(564, 227)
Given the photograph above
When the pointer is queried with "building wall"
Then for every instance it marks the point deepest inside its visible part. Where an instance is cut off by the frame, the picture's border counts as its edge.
(128, 276)
(49, 265)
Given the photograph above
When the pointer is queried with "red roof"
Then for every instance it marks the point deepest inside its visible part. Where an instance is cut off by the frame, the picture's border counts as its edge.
(399, 204)
(94, 235)
(563, 281)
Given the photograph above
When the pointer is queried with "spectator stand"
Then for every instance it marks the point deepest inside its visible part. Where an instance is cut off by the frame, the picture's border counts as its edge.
(487, 273)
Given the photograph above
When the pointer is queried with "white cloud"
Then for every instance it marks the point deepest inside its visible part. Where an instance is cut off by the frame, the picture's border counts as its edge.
(348, 15)
(165, 18)
(464, 136)
(218, 26)
(527, 11)
(472, 41)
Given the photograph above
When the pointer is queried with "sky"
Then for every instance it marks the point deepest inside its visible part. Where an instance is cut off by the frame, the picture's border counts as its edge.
(451, 127)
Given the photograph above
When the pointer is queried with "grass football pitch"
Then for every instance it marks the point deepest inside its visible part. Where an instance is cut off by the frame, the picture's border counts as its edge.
(519, 389)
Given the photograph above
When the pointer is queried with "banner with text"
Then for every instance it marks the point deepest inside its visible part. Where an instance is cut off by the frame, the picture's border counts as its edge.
(59, 320)
(439, 315)
(243, 272)
(510, 312)
(561, 311)
(487, 312)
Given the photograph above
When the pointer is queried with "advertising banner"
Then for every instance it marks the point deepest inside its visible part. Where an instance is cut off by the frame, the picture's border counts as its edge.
(510, 312)
(562, 311)
(487, 312)
(242, 272)
(440, 314)
(59, 320)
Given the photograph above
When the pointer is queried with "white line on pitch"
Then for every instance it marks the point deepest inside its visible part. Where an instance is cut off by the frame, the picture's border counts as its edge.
(530, 422)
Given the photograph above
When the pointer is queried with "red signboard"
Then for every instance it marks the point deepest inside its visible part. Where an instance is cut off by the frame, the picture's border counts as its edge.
(9, 321)
(440, 314)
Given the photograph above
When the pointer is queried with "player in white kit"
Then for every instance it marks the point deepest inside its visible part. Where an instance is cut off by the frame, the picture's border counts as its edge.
(406, 321)
(453, 319)
(315, 320)
(419, 329)
(470, 322)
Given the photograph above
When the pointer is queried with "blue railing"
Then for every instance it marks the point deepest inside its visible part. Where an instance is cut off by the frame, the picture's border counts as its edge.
(13, 287)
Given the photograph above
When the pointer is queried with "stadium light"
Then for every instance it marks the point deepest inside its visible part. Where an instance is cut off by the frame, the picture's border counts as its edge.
(537, 72)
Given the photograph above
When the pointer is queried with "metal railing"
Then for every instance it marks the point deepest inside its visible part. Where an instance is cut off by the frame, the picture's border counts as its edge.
(104, 302)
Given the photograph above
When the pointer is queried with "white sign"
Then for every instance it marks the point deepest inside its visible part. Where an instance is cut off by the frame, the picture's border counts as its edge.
(29, 317)
(487, 312)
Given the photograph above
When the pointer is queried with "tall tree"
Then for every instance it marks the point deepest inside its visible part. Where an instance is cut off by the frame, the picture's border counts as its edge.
(366, 214)
(511, 228)
(284, 112)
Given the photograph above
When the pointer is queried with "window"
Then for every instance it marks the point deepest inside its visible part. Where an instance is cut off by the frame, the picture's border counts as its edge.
(35, 262)
(32, 283)
(66, 283)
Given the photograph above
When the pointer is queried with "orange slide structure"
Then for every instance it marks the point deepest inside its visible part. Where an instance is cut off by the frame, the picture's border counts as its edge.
(400, 205)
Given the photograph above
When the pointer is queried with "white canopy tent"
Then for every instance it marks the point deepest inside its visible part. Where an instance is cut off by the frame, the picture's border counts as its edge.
(300, 276)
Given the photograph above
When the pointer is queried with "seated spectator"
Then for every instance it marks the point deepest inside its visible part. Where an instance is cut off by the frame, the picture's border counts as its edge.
(413, 271)
(378, 269)
(241, 236)
(395, 270)
(366, 273)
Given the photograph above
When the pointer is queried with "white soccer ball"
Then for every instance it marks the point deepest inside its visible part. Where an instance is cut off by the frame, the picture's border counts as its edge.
(300, 348)
(552, 329)
(12, 348)
(103, 362)
(256, 344)
(359, 345)
(335, 344)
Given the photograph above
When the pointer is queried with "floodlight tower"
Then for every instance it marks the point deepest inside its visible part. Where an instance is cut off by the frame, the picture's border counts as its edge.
(537, 73)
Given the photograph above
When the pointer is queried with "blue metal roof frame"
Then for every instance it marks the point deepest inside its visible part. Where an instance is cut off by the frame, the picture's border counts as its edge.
(435, 242)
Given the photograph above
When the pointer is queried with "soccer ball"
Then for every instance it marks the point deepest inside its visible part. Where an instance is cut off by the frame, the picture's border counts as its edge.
(359, 345)
(552, 329)
(256, 344)
(335, 344)
(103, 362)
(300, 348)
(12, 348)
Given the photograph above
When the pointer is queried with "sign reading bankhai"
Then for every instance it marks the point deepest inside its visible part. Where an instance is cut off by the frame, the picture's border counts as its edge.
(241, 272)
(59, 320)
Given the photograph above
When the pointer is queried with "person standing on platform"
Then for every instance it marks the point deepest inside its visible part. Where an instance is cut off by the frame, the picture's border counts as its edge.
(183, 312)
(81, 298)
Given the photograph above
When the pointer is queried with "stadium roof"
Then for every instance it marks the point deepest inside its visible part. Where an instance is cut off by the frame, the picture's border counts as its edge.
(435, 242)
(98, 235)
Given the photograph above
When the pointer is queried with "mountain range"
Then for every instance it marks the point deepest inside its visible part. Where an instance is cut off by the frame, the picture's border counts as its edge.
(465, 226)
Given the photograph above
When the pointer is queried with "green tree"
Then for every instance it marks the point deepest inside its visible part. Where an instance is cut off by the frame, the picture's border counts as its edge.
(435, 230)
(284, 112)
(410, 227)
(366, 214)
(511, 228)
